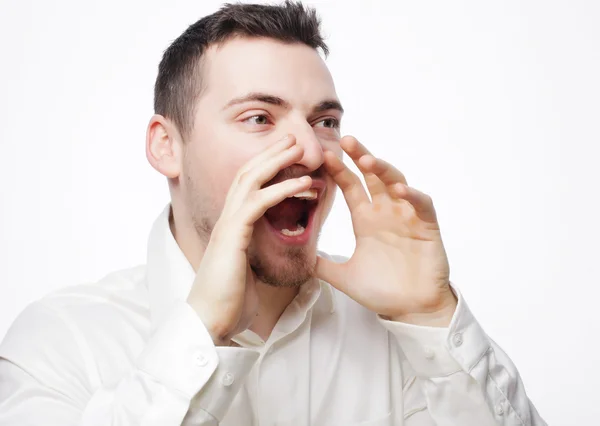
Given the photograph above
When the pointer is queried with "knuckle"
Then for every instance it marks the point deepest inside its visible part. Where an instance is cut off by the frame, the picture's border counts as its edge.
(244, 177)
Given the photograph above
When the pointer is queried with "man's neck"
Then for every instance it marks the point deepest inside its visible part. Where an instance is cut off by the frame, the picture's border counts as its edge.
(272, 303)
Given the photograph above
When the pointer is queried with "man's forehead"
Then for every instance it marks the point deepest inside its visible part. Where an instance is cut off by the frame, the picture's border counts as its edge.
(294, 72)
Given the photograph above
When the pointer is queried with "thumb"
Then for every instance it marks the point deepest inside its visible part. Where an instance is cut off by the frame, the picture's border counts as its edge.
(331, 272)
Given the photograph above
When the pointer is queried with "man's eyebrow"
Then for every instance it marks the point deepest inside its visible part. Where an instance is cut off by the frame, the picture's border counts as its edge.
(259, 97)
(280, 102)
(327, 105)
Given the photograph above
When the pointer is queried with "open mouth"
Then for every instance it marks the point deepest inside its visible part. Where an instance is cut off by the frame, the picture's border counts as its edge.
(293, 215)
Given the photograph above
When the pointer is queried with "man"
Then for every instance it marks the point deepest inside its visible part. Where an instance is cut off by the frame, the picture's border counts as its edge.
(236, 319)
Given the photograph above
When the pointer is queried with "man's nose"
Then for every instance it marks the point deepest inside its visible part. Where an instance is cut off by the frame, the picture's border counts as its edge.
(313, 157)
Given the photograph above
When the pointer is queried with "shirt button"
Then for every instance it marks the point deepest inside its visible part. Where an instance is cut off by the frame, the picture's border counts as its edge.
(428, 352)
(227, 379)
(200, 359)
(499, 409)
(457, 339)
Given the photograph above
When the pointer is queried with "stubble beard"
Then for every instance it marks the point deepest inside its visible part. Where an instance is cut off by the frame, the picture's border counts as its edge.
(295, 269)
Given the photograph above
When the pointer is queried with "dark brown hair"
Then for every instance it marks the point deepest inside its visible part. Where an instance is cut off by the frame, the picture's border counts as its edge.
(178, 84)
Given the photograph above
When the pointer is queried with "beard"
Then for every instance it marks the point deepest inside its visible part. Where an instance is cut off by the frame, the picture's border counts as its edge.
(291, 269)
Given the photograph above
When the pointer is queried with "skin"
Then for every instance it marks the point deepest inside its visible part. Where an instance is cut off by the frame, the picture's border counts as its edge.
(234, 165)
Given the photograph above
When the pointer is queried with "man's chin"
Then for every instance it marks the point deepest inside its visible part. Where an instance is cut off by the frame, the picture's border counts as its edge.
(284, 266)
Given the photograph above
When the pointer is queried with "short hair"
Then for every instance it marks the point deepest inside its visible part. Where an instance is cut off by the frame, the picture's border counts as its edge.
(178, 84)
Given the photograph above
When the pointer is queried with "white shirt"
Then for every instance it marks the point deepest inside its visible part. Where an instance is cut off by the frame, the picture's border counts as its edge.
(129, 350)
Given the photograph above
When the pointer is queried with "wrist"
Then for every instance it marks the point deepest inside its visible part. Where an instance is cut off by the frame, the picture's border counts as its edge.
(221, 336)
(440, 317)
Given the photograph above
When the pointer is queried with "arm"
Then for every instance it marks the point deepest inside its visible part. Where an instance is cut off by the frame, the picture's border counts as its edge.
(47, 375)
(184, 362)
(400, 270)
(467, 379)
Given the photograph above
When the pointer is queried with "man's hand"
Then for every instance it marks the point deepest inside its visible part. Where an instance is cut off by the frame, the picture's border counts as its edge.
(399, 268)
(224, 291)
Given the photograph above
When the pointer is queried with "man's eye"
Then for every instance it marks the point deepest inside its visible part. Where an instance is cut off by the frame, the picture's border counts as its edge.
(260, 119)
(330, 123)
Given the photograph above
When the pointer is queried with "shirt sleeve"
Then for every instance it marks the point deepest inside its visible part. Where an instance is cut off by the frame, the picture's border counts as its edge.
(466, 377)
(44, 375)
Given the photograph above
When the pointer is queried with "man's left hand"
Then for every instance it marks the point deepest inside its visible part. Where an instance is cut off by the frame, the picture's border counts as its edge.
(399, 268)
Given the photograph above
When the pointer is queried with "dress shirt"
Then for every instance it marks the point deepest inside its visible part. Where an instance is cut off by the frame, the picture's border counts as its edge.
(129, 350)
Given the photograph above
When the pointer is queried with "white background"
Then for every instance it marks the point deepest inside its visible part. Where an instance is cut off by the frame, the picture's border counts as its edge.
(490, 107)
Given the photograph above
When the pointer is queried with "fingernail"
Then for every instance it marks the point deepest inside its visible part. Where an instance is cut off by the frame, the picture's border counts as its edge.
(285, 138)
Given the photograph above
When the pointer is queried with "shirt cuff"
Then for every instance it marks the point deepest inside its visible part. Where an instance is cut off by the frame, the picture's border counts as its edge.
(441, 351)
(182, 356)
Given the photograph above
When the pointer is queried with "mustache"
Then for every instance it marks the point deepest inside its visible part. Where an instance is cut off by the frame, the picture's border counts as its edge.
(296, 171)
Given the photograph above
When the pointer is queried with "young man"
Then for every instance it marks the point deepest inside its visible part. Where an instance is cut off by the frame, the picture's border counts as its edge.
(236, 319)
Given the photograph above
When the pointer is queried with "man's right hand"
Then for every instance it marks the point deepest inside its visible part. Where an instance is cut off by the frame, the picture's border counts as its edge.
(224, 291)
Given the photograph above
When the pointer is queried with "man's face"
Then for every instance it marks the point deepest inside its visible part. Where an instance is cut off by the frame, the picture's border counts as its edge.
(297, 91)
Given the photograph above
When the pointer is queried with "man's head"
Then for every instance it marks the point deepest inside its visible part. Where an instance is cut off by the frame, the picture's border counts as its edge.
(231, 85)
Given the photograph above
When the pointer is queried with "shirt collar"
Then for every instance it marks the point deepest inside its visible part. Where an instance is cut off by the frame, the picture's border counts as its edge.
(170, 275)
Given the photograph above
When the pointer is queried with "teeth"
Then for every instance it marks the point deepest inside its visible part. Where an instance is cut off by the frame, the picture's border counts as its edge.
(309, 194)
(295, 233)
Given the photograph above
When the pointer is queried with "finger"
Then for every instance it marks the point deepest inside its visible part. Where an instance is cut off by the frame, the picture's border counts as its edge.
(368, 163)
(387, 173)
(384, 173)
(353, 148)
(258, 202)
(422, 203)
(350, 184)
(262, 172)
(331, 272)
(376, 187)
(256, 177)
(279, 146)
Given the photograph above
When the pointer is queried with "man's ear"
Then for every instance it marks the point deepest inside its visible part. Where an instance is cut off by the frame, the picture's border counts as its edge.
(164, 146)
